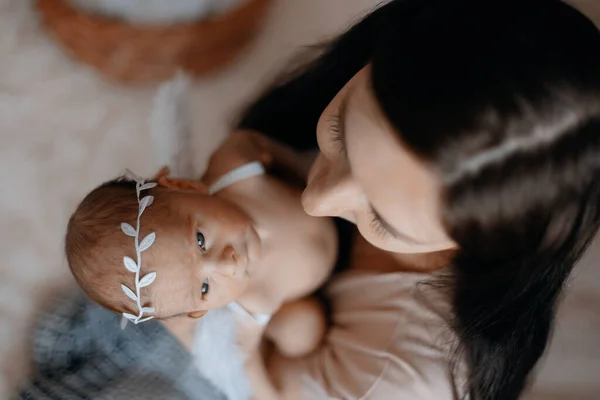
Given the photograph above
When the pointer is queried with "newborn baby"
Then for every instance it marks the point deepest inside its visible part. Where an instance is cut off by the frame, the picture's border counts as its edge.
(239, 239)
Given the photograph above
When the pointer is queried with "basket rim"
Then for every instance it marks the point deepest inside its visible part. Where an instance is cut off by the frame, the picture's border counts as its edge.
(46, 7)
(129, 53)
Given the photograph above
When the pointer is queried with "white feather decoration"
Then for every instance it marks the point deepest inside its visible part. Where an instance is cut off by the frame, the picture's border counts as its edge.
(170, 127)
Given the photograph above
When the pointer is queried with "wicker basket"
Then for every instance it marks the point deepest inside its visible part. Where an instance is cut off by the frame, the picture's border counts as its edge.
(141, 54)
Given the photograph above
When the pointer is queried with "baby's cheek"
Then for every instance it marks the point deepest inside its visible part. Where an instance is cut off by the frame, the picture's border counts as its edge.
(221, 291)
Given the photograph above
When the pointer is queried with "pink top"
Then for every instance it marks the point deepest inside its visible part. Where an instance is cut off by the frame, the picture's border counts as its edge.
(388, 341)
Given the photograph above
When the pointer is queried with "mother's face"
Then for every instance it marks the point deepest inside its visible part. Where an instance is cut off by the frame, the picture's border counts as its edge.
(365, 175)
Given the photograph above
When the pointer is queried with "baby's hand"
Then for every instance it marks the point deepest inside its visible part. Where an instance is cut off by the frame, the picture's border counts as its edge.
(298, 327)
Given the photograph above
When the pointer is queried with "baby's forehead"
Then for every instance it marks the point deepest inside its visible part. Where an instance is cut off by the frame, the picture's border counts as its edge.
(173, 261)
(172, 292)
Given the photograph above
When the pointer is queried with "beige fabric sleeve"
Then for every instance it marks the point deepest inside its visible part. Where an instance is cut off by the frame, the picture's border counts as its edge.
(387, 342)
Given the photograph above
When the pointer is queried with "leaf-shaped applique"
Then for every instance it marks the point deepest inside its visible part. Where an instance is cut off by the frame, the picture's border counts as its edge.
(148, 279)
(148, 310)
(128, 229)
(130, 264)
(148, 185)
(123, 323)
(144, 320)
(133, 177)
(129, 292)
(147, 241)
(130, 317)
(145, 202)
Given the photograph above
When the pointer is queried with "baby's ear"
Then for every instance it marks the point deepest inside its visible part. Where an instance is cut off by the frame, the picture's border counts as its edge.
(197, 314)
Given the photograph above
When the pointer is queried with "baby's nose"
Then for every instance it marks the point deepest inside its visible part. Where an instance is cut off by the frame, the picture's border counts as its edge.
(229, 261)
(228, 254)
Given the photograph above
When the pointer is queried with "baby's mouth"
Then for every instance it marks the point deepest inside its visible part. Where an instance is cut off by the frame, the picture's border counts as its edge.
(241, 270)
(240, 260)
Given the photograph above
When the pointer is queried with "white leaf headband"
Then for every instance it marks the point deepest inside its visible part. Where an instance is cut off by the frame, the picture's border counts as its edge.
(136, 266)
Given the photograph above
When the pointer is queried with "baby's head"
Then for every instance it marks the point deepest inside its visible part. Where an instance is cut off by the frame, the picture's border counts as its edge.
(201, 253)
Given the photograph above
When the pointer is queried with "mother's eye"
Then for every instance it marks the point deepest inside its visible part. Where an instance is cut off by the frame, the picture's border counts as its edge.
(201, 241)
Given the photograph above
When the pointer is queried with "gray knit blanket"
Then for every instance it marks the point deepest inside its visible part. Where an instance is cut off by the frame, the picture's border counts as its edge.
(80, 352)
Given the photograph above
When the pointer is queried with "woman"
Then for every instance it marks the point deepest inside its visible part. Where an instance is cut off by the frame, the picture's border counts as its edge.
(463, 133)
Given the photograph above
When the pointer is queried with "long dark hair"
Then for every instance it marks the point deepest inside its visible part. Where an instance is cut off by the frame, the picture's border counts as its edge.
(502, 97)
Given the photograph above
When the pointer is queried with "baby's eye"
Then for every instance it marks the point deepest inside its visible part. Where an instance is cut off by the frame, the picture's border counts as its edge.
(205, 287)
(201, 241)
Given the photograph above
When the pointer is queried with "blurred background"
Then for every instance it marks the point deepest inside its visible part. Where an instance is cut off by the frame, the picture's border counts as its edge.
(71, 117)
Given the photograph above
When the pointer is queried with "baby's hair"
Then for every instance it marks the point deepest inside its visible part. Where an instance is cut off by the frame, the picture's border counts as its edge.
(95, 244)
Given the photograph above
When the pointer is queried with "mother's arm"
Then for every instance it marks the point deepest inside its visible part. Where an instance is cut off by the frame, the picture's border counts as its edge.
(388, 339)
(338, 371)
(346, 367)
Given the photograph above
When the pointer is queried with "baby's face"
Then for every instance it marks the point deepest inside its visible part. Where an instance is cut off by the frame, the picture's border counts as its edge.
(201, 254)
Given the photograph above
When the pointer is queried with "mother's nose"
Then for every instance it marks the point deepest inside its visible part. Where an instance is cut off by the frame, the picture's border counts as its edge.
(331, 190)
